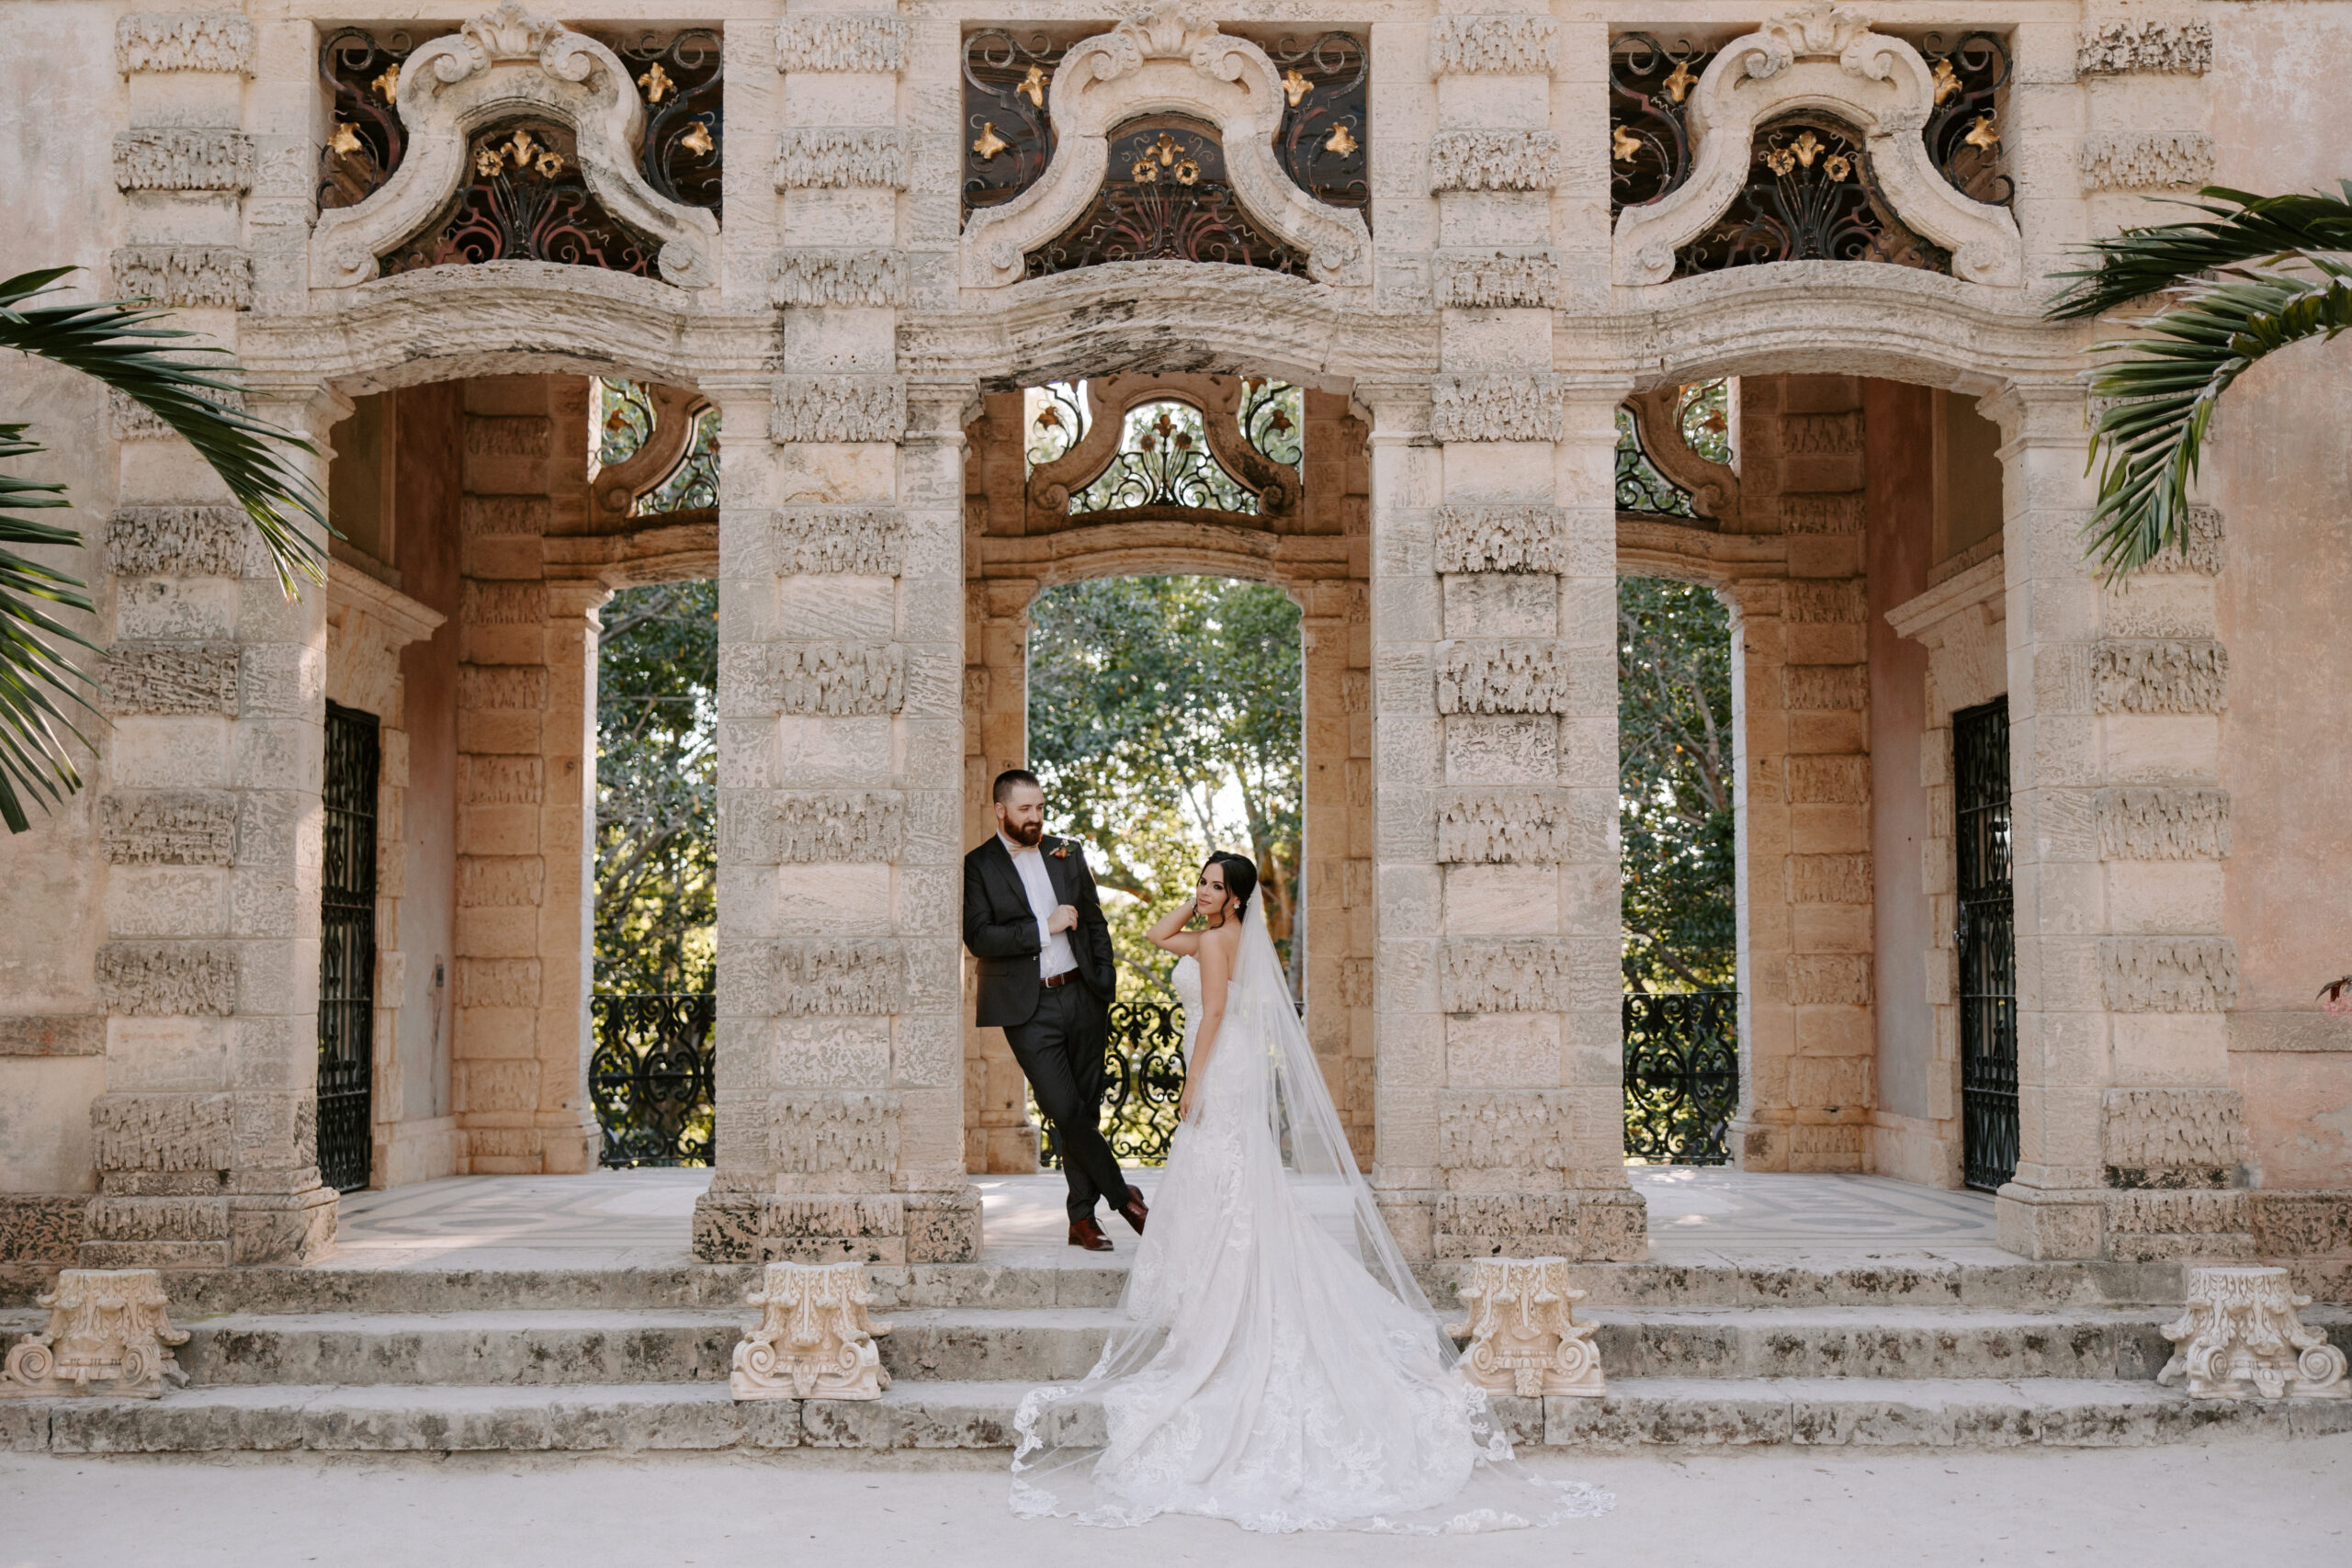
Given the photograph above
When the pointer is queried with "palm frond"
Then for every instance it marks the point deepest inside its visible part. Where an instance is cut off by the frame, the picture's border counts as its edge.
(118, 342)
(2140, 262)
(2162, 388)
(34, 760)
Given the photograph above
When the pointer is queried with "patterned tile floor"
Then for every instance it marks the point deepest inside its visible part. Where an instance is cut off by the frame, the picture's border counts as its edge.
(642, 1218)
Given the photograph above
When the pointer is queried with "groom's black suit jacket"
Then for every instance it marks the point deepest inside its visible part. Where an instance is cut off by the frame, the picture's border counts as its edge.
(1001, 929)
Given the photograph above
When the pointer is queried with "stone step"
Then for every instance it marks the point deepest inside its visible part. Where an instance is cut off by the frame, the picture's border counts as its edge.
(552, 1347)
(1047, 1277)
(940, 1417)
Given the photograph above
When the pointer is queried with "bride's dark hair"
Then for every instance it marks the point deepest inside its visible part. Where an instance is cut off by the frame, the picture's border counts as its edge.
(1241, 877)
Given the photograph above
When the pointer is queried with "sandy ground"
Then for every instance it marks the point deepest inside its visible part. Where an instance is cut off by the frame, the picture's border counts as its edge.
(2278, 1505)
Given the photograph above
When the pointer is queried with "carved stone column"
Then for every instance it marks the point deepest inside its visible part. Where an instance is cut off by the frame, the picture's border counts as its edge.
(2131, 1136)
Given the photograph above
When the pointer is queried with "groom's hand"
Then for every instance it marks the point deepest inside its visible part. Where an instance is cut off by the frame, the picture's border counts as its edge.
(1063, 918)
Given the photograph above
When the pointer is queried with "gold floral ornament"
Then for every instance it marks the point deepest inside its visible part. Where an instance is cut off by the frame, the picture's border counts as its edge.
(1145, 171)
(1296, 86)
(696, 139)
(1033, 87)
(1947, 80)
(1983, 133)
(1837, 166)
(489, 161)
(988, 145)
(549, 164)
(1340, 141)
(389, 83)
(1623, 145)
(1678, 84)
(1166, 149)
(656, 82)
(346, 139)
(1187, 171)
(1048, 418)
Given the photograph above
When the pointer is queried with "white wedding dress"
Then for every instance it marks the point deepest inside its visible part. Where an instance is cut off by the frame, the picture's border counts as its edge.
(1275, 1363)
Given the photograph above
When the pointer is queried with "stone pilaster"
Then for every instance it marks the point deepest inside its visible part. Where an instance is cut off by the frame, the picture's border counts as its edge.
(2132, 1137)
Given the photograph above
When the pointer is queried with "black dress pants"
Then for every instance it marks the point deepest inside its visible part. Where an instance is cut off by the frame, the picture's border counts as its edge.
(1060, 1049)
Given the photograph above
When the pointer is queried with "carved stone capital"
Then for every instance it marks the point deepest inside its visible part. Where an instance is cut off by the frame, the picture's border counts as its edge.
(1524, 1336)
(2239, 1337)
(814, 1339)
(107, 1327)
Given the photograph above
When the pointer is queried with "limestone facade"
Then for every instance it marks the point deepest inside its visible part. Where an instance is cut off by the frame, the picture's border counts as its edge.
(1465, 340)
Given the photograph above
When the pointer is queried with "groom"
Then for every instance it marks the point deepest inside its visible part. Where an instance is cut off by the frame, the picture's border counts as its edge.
(1031, 918)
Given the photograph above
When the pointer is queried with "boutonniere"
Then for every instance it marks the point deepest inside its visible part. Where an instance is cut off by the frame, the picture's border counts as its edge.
(1061, 851)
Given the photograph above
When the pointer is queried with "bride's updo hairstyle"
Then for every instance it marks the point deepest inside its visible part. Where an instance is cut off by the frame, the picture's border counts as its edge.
(1240, 878)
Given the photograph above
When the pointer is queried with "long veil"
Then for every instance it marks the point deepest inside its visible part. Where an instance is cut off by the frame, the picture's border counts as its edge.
(1255, 1373)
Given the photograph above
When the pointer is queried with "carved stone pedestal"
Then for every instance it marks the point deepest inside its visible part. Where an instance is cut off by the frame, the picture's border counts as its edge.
(1524, 1338)
(2240, 1338)
(813, 1340)
(107, 1329)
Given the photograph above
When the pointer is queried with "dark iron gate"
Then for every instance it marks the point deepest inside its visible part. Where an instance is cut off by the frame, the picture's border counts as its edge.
(1143, 1078)
(1681, 1076)
(347, 950)
(1988, 943)
(650, 1078)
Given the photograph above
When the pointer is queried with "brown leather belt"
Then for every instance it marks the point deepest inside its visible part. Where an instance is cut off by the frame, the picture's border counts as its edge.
(1064, 978)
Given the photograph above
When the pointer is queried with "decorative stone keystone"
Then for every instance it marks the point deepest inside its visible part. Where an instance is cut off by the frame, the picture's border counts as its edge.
(1524, 1338)
(2240, 1337)
(106, 1326)
(813, 1340)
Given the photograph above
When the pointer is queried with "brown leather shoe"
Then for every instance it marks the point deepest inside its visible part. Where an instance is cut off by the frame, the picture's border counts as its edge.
(1134, 1212)
(1085, 1232)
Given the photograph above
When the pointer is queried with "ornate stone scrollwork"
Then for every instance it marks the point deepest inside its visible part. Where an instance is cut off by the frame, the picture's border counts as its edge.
(1524, 1336)
(1713, 487)
(813, 1340)
(495, 67)
(1825, 58)
(1164, 63)
(2239, 1337)
(107, 1327)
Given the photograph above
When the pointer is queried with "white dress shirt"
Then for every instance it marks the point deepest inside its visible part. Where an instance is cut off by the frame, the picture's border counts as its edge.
(1055, 955)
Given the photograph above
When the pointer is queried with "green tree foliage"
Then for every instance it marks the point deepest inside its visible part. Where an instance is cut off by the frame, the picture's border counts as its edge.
(657, 863)
(1674, 786)
(1165, 719)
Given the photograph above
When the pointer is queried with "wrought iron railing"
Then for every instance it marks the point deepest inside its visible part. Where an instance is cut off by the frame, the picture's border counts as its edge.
(1143, 1078)
(650, 1078)
(1681, 1076)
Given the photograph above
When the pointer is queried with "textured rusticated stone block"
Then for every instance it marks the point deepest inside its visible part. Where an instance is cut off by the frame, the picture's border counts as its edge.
(1589, 1225)
(1835, 514)
(1514, 536)
(838, 407)
(172, 158)
(2147, 159)
(498, 982)
(1834, 600)
(2134, 676)
(822, 157)
(1825, 688)
(727, 1227)
(1829, 979)
(158, 1219)
(171, 679)
(2164, 824)
(2114, 46)
(1831, 780)
(54, 1034)
(509, 436)
(1494, 45)
(1829, 879)
(849, 827)
(176, 541)
(501, 882)
(869, 541)
(834, 1135)
(1522, 975)
(842, 42)
(493, 687)
(184, 275)
(162, 1132)
(837, 679)
(828, 277)
(491, 780)
(1495, 408)
(2200, 546)
(169, 827)
(176, 40)
(1506, 1130)
(40, 1227)
(942, 1227)
(1822, 435)
(2302, 1224)
(506, 604)
(1496, 826)
(2172, 1137)
(2169, 974)
(1494, 159)
(130, 420)
(1502, 677)
(828, 980)
(502, 517)
(168, 979)
(1495, 279)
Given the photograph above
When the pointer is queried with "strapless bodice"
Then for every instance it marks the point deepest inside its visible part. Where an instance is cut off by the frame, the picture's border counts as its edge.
(1187, 987)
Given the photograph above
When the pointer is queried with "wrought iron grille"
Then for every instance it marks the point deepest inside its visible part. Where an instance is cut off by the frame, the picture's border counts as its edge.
(1987, 943)
(1641, 486)
(1008, 139)
(1165, 197)
(1964, 132)
(525, 199)
(367, 140)
(347, 949)
(1143, 1078)
(682, 78)
(1681, 1076)
(1325, 141)
(650, 1078)
(1649, 137)
(1810, 195)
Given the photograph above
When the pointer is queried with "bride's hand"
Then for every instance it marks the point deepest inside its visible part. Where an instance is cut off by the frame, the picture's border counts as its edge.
(1184, 1104)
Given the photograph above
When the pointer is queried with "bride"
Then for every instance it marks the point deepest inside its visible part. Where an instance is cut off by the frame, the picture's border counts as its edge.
(1275, 1363)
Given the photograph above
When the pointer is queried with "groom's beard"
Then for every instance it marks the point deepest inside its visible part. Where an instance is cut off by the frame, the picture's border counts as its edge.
(1025, 834)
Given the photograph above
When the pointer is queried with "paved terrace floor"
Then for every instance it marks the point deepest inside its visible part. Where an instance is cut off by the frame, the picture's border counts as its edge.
(627, 1219)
